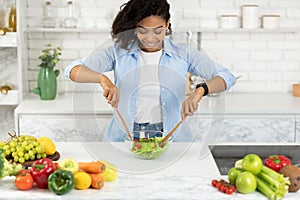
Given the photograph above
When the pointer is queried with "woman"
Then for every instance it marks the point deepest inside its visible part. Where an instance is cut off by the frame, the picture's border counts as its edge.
(150, 72)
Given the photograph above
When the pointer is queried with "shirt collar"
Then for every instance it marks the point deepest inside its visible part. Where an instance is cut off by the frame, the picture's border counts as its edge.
(168, 48)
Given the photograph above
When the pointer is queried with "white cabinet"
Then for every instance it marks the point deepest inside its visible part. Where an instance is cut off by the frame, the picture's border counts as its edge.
(246, 128)
(297, 129)
(65, 128)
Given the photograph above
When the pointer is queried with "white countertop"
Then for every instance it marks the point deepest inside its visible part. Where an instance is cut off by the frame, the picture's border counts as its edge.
(230, 103)
(185, 177)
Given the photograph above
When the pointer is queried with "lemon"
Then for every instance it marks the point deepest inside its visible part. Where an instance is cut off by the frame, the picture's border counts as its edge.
(48, 144)
(82, 180)
(110, 173)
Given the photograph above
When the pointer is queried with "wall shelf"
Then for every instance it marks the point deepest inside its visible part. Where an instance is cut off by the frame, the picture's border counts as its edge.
(178, 29)
(11, 98)
(239, 30)
(67, 30)
(8, 40)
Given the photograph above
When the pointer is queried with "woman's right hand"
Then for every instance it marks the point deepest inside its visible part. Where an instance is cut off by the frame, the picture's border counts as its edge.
(111, 92)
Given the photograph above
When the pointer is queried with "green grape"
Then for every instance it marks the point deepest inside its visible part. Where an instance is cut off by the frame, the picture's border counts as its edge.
(32, 157)
(38, 150)
(31, 153)
(27, 148)
(26, 156)
(5, 147)
(16, 159)
(14, 154)
(33, 150)
(21, 149)
(21, 160)
(12, 144)
(31, 146)
(7, 152)
(35, 144)
(13, 149)
(21, 154)
(44, 155)
(38, 156)
(2, 143)
(24, 144)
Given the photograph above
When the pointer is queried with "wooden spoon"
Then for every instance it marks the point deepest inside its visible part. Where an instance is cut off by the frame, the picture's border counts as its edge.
(162, 143)
(124, 124)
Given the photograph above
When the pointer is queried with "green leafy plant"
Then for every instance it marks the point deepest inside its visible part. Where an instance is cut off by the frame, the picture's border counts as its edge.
(50, 56)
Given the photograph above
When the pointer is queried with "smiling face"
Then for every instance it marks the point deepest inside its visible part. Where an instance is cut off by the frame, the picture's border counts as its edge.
(151, 32)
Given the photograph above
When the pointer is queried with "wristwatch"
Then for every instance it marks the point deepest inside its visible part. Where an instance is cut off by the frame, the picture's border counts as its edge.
(204, 87)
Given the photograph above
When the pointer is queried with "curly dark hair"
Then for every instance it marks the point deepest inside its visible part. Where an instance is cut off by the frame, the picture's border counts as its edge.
(133, 12)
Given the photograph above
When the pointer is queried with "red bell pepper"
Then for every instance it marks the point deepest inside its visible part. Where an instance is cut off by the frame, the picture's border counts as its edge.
(40, 171)
(276, 162)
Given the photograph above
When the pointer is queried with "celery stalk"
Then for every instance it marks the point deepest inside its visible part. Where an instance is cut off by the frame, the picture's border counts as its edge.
(265, 189)
(269, 179)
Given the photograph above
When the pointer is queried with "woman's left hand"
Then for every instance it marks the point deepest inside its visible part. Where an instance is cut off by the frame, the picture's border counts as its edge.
(190, 104)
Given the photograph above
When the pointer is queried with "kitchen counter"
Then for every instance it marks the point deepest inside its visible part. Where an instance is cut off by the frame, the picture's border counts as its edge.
(231, 103)
(178, 174)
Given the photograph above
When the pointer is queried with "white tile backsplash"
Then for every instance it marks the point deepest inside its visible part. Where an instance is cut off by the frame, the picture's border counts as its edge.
(260, 57)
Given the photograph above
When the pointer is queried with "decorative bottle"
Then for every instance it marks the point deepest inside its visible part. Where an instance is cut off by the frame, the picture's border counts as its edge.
(70, 21)
(12, 20)
(48, 20)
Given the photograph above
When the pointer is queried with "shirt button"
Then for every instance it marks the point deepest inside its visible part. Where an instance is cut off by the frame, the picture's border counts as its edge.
(164, 103)
(143, 127)
(162, 89)
(165, 118)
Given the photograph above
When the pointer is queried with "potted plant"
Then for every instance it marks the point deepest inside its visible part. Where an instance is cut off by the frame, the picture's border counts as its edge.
(47, 82)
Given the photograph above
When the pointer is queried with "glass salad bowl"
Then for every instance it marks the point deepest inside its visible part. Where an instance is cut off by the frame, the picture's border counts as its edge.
(147, 145)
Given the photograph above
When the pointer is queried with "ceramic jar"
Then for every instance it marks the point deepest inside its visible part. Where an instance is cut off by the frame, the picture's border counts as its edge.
(229, 21)
(270, 21)
(250, 17)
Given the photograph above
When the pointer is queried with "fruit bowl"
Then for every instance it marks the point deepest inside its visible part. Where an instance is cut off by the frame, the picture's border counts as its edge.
(148, 147)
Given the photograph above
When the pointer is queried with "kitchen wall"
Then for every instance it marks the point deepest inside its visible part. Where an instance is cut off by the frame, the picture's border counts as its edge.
(267, 61)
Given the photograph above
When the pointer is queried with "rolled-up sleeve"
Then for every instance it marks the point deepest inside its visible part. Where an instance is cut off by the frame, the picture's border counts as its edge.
(99, 60)
(69, 68)
(201, 65)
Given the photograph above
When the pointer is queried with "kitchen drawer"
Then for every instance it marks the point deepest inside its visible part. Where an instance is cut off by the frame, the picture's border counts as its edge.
(258, 128)
(63, 128)
(212, 129)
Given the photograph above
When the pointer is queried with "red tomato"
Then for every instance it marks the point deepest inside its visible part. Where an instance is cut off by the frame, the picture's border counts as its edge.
(214, 183)
(230, 190)
(24, 181)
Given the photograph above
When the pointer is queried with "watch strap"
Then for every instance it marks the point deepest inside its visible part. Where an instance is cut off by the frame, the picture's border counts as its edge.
(204, 85)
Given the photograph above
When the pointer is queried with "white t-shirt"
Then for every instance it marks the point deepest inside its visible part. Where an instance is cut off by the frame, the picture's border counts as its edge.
(148, 103)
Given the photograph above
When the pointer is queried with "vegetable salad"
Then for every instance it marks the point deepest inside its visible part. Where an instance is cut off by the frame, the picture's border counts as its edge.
(148, 148)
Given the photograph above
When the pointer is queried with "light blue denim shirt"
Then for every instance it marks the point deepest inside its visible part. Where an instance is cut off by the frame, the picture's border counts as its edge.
(176, 61)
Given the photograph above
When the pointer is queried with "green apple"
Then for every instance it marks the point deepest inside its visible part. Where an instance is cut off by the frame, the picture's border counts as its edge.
(232, 175)
(252, 163)
(69, 164)
(246, 183)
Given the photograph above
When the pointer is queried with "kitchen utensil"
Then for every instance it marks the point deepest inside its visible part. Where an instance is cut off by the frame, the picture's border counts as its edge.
(161, 144)
(124, 124)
